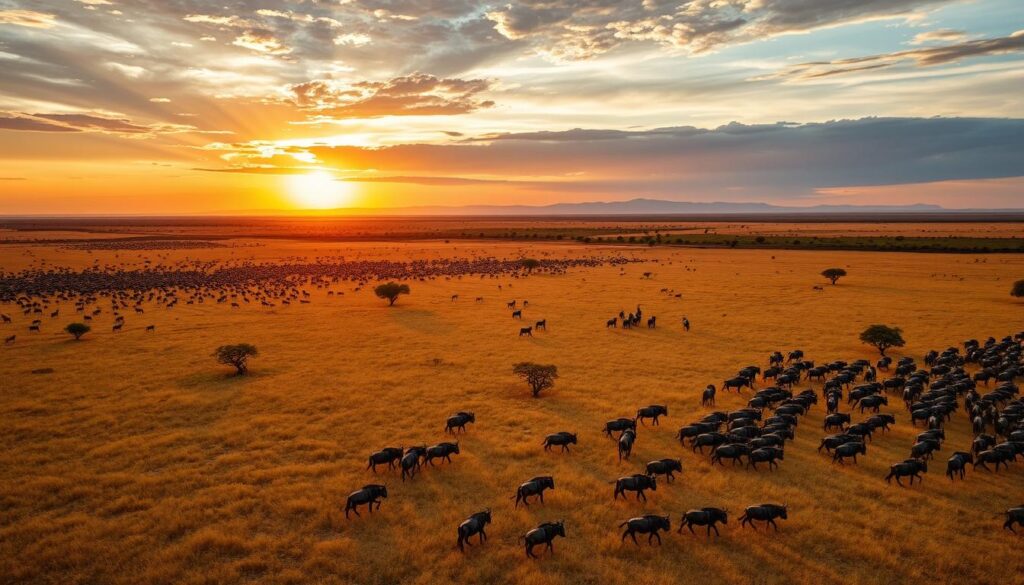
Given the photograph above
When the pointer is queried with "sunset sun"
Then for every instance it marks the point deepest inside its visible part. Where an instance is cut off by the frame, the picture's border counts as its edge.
(318, 190)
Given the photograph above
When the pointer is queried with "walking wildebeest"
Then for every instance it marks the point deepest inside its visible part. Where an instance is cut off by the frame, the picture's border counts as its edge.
(665, 467)
(836, 420)
(517, 314)
(993, 456)
(528, 331)
(708, 398)
(738, 383)
(635, 483)
(1014, 515)
(533, 487)
(10, 339)
(387, 455)
(873, 402)
(410, 462)
(444, 451)
(458, 421)
(924, 449)
(543, 534)
(767, 455)
(150, 328)
(704, 517)
(651, 322)
(626, 440)
(764, 513)
(911, 467)
(475, 524)
(367, 496)
(850, 449)
(712, 440)
(648, 524)
(611, 323)
(562, 439)
(734, 451)
(619, 425)
(542, 324)
(653, 412)
(957, 464)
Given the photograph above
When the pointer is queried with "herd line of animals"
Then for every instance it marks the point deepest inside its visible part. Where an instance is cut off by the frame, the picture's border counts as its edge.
(753, 435)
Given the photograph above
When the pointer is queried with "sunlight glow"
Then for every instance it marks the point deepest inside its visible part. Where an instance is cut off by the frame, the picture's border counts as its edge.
(319, 190)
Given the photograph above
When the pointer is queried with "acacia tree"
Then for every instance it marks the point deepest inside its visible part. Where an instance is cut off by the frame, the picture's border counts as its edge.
(1018, 289)
(833, 274)
(539, 377)
(883, 337)
(530, 264)
(236, 355)
(390, 291)
(77, 330)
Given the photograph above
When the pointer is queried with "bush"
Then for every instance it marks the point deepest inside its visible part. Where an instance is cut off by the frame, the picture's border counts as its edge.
(539, 377)
(236, 355)
(390, 291)
(530, 263)
(77, 330)
(1018, 289)
(833, 274)
(883, 337)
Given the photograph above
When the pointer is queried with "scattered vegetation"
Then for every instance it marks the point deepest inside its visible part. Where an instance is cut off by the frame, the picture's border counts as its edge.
(833, 274)
(390, 291)
(539, 377)
(236, 355)
(1018, 289)
(530, 264)
(883, 337)
(77, 330)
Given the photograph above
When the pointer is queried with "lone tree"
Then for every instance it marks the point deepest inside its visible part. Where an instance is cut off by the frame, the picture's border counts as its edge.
(1018, 289)
(77, 329)
(833, 274)
(390, 291)
(539, 377)
(236, 355)
(530, 264)
(883, 337)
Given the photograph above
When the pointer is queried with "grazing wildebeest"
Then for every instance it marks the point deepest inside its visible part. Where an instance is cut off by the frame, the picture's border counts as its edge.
(367, 496)
(1014, 515)
(653, 412)
(543, 534)
(410, 462)
(648, 524)
(475, 524)
(533, 487)
(635, 483)
(10, 339)
(387, 455)
(619, 425)
(767, 455)
(562, 439)
(458, 421)
(626, 440)
(528, 331)
(665, 467)
(707, 517)
(764, 513)
(444, 451)
(116, 327)
(708, 398)
(734, 451)
(850, 449)
(957, 464)
(542, 324)
(33, 328)
(517, 314)
(911, 467)
(611, 323)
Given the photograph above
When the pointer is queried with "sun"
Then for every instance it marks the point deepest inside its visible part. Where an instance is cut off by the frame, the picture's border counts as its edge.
(319, 190)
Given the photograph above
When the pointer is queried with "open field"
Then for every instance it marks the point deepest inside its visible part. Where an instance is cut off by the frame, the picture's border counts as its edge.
(138, 459)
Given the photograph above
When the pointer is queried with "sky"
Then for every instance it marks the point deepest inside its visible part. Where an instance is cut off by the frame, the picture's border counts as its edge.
(217, 106)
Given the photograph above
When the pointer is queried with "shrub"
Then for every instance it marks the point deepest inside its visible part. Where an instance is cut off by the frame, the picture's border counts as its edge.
(539, 377)
(1018, 289)
(236, 355)
(390, 291)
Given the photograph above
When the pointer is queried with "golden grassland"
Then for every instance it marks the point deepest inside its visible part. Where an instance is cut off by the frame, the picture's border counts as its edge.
(140, 460)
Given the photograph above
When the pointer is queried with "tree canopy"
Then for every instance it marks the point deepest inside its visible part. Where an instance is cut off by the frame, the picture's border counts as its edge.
(539, 377)
(1018, 289)
(883, 337)
(390, 291)
(77, 329)
(236, 355)
(833, 274)
(530, 264)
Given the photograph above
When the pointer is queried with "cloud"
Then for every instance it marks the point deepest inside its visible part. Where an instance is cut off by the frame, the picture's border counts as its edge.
(261, 41)
(82, 122)
(922, 57)
(411, 95)
(28, 18)
(942, 34)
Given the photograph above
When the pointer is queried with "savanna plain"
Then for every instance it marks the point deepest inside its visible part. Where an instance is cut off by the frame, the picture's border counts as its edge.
(139, 459)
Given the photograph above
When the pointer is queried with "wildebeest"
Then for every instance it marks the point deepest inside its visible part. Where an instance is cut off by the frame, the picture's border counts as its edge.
(562, 439)
(738, 383)
(652, 412)
(648, 524)
(993, 456)
(957, 464)
(444, 451)
(367, 496)
(543, 534)
(458, 421)
(533, 487)
(517, 314)
(708, 398)
(665, 467)
(635, 483)
(707, 517)
(873, 402)
(924, 449)
(764, 513)
(150, 328)
(611, 323)
(387, 455)
(626, 440)
(619, 425)
(651, 322)
(850, 449)
(542, 324)
(1014, 515)
(734, 451)
(836, 420)
(911, 467)
(410, 462)
(528, 331)
(713, 440)
(10, 339)
(767, 455)
(475, 524)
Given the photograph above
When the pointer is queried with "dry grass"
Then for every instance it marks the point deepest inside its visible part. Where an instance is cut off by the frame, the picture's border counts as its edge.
(139, 460)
